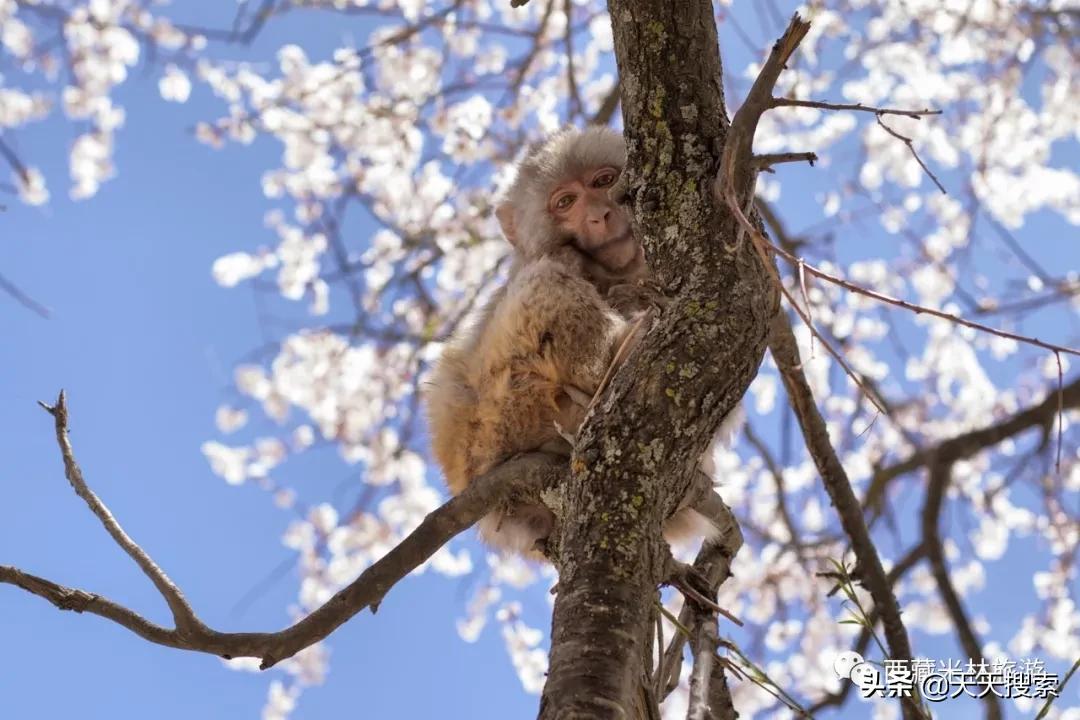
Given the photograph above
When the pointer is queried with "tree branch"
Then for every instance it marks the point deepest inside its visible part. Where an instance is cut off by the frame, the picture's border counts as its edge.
(940, 474)
(182, 613)
(713, 563)
(685, 376)
(529, 473)
(858, 107)
(607, 108)
(736, 177)
(911, 148)
(916, 308)
(22, 298)
(710, 698)
(766, 161)
(967, 444)
(785, 352)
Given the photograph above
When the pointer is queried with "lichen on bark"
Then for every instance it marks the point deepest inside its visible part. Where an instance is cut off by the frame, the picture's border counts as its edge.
(635, 458)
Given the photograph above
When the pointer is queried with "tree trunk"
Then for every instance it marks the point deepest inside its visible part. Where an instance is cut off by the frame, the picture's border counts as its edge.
(636, 455)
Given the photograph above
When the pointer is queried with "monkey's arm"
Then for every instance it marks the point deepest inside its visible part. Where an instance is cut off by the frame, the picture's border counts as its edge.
(561, 327)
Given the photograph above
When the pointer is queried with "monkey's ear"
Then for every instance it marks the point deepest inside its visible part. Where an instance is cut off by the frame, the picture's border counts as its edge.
(504, 212)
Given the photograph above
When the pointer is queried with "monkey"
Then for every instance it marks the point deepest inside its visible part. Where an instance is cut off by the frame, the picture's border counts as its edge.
(499, 389)
(521, 376)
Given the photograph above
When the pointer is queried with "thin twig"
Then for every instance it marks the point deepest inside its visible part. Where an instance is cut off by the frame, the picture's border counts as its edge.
(1060, 410)
(1057, 691)
(857, 107)
(766, 161)
(681, 581)
(182, 613)
(914, 307)
(878, 114)
(568, 39)
(13, 160)
(937, 485)
(785, 352)
(22, 298)
(911, 146)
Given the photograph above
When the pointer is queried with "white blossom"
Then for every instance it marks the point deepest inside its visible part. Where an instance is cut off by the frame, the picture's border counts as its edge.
(174, 85)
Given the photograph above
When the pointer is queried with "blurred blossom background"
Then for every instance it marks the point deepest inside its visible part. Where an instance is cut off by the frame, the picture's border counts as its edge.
(237, 233)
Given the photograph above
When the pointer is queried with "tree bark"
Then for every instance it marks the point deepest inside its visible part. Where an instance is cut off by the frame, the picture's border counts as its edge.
(636, 455)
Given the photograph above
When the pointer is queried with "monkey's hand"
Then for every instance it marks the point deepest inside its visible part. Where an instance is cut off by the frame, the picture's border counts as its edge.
(573, 406)
(629, 299)
(579, 396)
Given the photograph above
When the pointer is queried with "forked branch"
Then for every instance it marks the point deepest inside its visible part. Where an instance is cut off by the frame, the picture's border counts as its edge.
(736, 189)
(528, 473)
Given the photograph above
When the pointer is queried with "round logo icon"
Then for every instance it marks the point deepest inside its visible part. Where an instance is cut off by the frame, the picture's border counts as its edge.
(844, 662)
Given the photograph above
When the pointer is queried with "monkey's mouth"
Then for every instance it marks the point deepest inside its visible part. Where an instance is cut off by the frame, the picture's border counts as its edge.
(617, 253)
(616, 241)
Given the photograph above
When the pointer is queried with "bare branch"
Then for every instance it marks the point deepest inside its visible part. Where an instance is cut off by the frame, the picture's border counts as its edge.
(777, 473)
(1060, 410)
(13, 160)
(766, 161)
(878, 114)
(80, 601)
(916, 308)
(967, 444)
(22, 298)
(683, 578)
(739, 146)
(528, 473)
(182, 614)
(940, 474)
(607, 108)
(713, 562)
(571, 79)
(858, 107)
(785, 352)
(911, 146)
(704, 650)
(738, 174)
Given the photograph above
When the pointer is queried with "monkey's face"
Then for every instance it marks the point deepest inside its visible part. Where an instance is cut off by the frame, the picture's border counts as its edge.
(599, 227)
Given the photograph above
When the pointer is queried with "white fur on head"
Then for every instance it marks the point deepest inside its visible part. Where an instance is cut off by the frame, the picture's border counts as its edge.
(523, 209)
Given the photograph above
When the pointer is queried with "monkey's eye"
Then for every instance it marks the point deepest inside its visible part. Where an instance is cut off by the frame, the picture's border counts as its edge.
(605, 179)
(563, 202)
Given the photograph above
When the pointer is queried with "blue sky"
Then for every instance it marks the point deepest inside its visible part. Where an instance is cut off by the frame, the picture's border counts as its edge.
(144, 343)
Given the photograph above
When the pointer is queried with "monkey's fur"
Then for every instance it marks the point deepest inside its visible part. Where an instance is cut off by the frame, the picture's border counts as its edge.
(500, 387)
